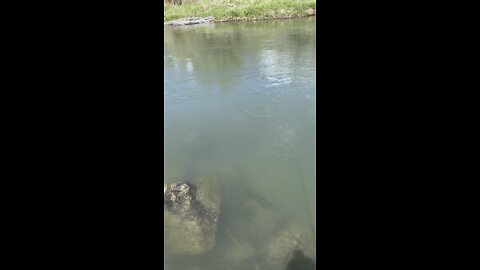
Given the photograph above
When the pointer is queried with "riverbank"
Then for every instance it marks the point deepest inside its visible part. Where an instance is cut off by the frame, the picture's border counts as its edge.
(235, 10)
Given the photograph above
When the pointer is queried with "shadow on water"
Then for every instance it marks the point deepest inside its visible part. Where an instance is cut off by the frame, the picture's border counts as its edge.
(300, 262)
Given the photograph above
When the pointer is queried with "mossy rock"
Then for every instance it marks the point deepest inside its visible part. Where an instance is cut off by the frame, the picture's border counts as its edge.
(191, 215)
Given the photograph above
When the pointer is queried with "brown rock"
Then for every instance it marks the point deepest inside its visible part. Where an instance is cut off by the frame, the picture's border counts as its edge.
(191, 216)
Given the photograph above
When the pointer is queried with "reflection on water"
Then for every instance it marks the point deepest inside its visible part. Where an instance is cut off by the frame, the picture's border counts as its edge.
(240, 105)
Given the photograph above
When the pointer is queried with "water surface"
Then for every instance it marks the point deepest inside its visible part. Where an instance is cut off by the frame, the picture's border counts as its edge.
(240, 103)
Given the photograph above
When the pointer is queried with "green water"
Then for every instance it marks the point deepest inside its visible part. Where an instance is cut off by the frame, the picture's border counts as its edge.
(240, 104)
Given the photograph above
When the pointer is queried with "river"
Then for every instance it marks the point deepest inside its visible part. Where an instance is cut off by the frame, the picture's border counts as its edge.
(240, 104)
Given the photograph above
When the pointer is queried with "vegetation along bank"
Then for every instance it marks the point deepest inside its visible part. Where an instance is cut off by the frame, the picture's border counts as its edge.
(235, 10)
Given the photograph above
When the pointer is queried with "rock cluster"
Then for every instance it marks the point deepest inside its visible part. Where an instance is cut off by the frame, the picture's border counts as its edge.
(189, 21)
(257, 240)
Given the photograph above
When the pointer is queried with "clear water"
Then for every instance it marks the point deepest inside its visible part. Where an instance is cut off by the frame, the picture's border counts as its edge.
(240, 103)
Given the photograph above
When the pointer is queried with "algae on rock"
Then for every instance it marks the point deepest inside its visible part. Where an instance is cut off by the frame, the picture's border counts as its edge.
(191, 215)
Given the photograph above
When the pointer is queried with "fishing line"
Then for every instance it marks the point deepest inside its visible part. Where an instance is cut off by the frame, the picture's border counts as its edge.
(288, 153)
(302, 182)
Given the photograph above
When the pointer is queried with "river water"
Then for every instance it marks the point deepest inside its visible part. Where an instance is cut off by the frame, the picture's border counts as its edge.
(240, 104)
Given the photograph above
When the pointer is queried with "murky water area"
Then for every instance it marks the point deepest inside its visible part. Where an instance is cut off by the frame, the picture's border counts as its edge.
(240, 105)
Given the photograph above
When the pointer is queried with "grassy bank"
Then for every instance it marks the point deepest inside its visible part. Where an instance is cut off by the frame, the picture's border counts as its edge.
(228, 10)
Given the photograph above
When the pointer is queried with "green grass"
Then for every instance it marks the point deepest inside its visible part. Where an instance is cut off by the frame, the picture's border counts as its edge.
(227, 10)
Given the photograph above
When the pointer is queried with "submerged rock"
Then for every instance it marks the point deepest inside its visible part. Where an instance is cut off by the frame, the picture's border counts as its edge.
(191, 216)
(288, 244)
(259, 218)
(300, 262)
(238, 254)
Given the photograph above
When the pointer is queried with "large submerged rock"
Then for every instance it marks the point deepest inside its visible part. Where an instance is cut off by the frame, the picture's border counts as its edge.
(288, 244)
(191, 215)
